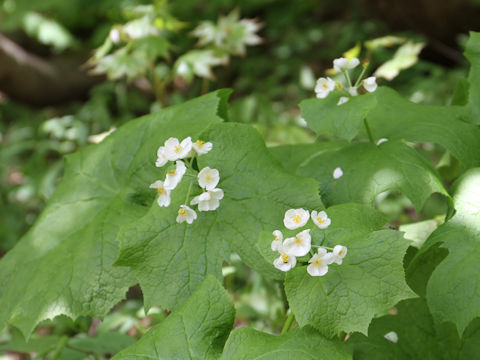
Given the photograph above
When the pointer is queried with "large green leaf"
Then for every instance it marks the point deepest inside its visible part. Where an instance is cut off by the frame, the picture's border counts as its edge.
(390, 116)
(293, 156)
(369, 282)
(453, 290)
(305, 344)
(369, 170)
(197, 330)
(418, 337)
(171, 259)
(324, 116)
(472, 52)
(64, 265)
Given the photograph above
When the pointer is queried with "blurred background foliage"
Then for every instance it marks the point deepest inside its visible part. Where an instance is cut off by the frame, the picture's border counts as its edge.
(73, 71)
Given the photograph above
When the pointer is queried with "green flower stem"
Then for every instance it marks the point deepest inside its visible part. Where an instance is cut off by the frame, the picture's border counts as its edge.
(288, 323)
(188, 192)
(60, 346)
(347, 77)
(365, 67)
(325, 247)
(369, 133)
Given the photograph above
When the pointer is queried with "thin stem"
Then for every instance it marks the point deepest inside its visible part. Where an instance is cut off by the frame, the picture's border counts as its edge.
(325, 247)
(347, 77)
(365, 67)
(60, 346)
(288, 323)
(188, 191)
(369, 133)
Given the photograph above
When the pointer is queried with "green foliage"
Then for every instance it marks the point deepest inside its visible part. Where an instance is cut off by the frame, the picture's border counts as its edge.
(458, 271)
(164, 254)
(418, 337)
(390, 116)
(73, 245)
(389, 166)
(370, 280)
(197, 330)
(305, 343)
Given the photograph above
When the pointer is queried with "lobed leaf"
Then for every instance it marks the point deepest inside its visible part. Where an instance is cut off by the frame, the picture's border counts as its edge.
(197, 330)
(452, 290)
(171, 260)
(64, 265)
(305, 344)
(369, 170)
(370, 281)
(418, 337)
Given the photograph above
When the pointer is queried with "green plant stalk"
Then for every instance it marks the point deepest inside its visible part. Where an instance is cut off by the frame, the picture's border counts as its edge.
(60, 346)
(347, 78)
(369, 133)
(361, 75)
(288, 323)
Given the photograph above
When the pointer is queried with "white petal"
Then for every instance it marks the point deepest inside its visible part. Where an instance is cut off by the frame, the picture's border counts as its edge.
(353, 91)
(295, 218)
(391, 336)
(208, 178)
(370, 84)
(202, 147)
(337, 173)
(381, 141)
(342, 100)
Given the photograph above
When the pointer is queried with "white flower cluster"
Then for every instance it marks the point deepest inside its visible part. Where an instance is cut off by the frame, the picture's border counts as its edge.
(342, 65)
(174, 150)
(301, 244)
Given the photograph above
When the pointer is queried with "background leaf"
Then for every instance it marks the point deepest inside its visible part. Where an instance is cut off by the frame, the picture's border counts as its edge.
(64, 265)
(197, 330)
(370, 281)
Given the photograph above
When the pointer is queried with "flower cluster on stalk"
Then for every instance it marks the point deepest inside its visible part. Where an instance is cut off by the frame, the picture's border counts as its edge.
(175, 150)
(343, 65)
(301, 244)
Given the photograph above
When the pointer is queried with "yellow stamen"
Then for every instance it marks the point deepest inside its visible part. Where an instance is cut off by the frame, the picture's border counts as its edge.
(297, 219)
(320, 220)
(200, 143)
(276, 238)
(182, 212)
(172, 172)
(284, 258)
(161, 190)
(298, 241)
(317, 262)
(208, 178)
(178, 148)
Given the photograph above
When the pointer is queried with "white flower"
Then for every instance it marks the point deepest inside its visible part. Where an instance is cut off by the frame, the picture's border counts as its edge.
(319, 263)
(161, 159)
(175, 150)
(209, 200)
(321, 219)
(208, 178)
(343, 64)
(174, 176)
(339, 252)
(370, 84)
(295, 218)
(299, 245)
(277, 242)
(186, 214)
(323, 87)
(381, 141)
(342, 100)
(202, 147)
(337, 173)
(353, 91)
(285, 261)
(163, 193)
(391, 336)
